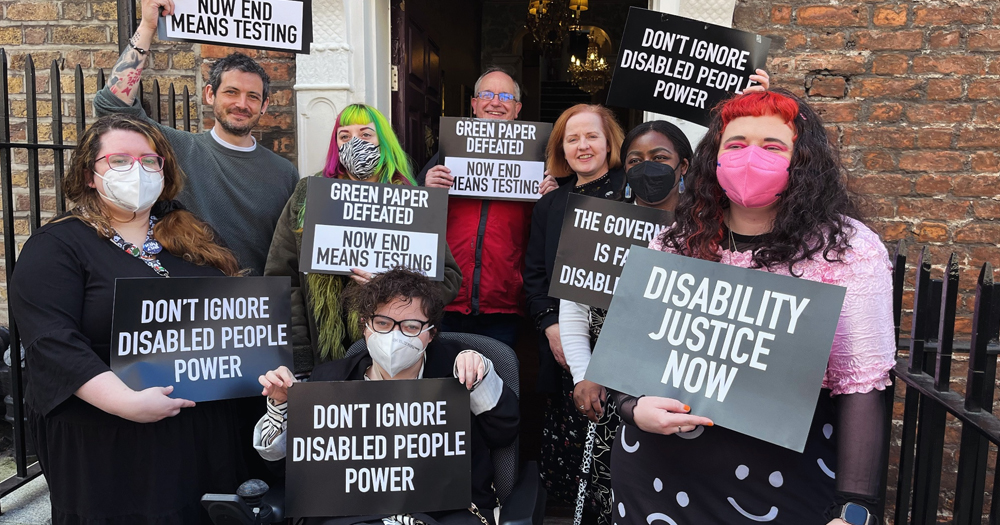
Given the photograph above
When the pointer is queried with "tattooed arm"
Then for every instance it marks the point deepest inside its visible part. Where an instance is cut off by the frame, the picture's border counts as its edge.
(125, 76)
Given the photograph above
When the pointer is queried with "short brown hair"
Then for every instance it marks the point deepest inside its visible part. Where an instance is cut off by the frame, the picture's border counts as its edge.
(555, 157)
(395, 283)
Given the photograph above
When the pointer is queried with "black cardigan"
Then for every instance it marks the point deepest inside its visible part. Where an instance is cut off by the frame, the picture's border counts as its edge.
(494, 428)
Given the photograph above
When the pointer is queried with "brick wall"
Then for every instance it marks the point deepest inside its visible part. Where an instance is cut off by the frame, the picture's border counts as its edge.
(84, 33)
(911, 92)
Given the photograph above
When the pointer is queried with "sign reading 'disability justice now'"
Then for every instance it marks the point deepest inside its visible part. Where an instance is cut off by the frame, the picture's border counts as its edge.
(374, 227)
(208, 337)
(594, 245)
(746, 348)
(682, 67)
(378, 447)
(282, 25)
(494, 159)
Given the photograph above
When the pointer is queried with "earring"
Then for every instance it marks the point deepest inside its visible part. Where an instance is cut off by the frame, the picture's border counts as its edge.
(628, 191)
(680, 186)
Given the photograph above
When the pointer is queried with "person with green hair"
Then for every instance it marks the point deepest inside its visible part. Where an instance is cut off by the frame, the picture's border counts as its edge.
(363, 147)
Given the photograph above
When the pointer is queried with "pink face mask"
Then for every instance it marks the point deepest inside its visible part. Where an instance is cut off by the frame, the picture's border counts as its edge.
(752, 177)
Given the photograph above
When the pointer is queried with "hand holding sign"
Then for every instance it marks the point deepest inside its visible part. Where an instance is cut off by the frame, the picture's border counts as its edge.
(276, 383)
(151, 11)
(662, 415)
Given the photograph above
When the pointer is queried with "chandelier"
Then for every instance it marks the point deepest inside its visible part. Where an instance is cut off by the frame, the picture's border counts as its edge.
(592, 73)
(547, 22)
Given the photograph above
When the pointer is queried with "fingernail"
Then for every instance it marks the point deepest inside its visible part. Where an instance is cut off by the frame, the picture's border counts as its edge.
(711, 424)
(687, 408)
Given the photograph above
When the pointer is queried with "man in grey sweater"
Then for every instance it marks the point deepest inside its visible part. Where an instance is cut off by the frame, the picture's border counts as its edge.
(233, 183)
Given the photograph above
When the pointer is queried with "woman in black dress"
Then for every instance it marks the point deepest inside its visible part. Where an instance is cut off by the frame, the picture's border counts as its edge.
(113, 455)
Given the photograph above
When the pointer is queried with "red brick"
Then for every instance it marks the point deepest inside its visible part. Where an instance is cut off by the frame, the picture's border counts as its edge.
(828, 41)
(213, 51)
(985, 161)
(833, 64)
(950, 64)
(837, 111)
(931, 232)
(781, 14)
(994, 68)
(932, 161)
(878, 161)
(946, 39)
(941, 209)
(987, 210)
(933, 184)
(942, 16)
(795, 40)
(886, 112)
(978, 232)
(984, 89)
(885, 137)
(979, 138)
(890, 64)
(984, 40)
(938, 112)
(879, 206)
(832, 16)
(981, 254)
(887, 87)
(891, 16)
(827, 86)
(944, 88)
(988, 113)
(892, 231)
(881, 184)
(883, 40)
(975, 186)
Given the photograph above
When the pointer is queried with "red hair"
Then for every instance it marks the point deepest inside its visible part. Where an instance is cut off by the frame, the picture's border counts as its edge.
(759, 104)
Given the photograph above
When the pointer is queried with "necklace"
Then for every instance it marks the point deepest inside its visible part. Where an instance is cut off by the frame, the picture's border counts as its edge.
(147, 254)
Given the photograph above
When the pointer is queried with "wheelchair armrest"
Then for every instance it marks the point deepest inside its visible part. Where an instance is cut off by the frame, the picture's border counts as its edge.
(526, 503)
(275, 497)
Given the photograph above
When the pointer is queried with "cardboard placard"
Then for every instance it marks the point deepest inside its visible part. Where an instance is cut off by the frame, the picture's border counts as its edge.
(280, 25)
(378, 447)
(682, 67)
(494, 159)
(746, 348)
(208, 337)
(594, 245)
(374, 227)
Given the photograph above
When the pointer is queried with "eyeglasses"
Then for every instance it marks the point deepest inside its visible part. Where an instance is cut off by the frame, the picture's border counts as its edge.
(487, 96)
(410, 327)
(124, 161)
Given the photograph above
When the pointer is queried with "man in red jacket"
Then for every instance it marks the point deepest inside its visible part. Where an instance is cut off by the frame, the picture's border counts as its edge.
(487, 237)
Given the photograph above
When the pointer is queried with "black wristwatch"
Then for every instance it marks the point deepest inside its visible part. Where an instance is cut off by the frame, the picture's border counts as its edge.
(854, 514)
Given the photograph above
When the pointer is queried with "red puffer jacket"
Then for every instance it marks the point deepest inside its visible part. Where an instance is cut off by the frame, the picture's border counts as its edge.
(488, 239)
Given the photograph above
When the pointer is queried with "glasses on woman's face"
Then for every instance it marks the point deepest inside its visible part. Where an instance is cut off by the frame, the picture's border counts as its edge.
(124, 161)
(487, 96)
(410, 327)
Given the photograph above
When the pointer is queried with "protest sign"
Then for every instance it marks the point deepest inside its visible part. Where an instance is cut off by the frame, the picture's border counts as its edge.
(682, 67)
(374, 227)
(280, 25)
(594, 245)
(746, 348)
(208, 337)
(494, 159)
(378, 447)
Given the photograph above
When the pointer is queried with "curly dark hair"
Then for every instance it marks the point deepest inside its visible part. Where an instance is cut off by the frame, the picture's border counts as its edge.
(237, 62)
(812, 211)
(395, 283)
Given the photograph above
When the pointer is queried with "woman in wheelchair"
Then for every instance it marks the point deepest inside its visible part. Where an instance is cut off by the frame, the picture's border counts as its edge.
(399, 310)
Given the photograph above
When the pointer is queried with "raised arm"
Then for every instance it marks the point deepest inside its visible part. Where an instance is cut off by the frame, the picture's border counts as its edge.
(125, 76)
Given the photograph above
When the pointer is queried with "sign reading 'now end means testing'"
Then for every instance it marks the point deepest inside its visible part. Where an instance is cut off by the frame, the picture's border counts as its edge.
(281, 25)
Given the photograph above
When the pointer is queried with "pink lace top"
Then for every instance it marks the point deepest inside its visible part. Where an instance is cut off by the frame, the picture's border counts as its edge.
(863, 349)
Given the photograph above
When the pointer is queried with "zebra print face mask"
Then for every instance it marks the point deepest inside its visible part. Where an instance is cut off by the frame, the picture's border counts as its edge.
(359, 158)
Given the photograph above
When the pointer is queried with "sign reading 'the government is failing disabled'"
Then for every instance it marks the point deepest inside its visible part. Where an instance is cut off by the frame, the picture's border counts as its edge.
(494, 159)
(373, 227)
(281, 25)
(720, 338)
(378, 447)
(682, 67)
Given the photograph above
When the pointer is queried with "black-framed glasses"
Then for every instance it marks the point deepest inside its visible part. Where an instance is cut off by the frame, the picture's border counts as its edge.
(410, 327)
(124, 161)
(487, 96)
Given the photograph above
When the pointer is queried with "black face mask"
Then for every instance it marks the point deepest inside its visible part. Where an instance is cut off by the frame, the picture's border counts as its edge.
(651, 181)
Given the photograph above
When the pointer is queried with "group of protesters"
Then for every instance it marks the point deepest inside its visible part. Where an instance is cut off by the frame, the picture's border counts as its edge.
(764, 189)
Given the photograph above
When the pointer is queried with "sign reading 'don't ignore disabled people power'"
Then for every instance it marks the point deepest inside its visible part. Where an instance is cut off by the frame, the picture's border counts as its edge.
(494, 159)
(682, 67)
(378, 447)
(373, 227)
(746, 348)
(281, 25)
(594, 245)
(208, 337)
